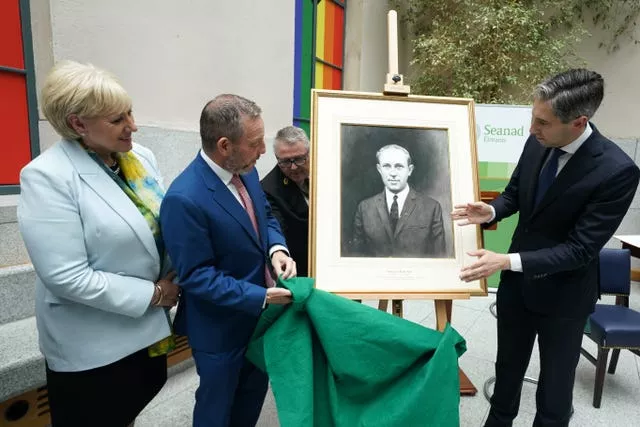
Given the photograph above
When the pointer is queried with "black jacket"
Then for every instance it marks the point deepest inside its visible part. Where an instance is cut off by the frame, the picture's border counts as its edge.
(290, 208)
(560, 239)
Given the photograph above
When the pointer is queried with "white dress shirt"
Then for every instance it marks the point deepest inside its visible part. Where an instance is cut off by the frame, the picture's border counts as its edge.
(569, 150)
(402, 197)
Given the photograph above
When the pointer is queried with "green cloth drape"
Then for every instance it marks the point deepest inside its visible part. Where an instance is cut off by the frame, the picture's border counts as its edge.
(333, 362)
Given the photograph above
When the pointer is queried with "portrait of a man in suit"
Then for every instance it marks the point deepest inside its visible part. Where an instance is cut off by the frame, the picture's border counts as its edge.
(398, 221)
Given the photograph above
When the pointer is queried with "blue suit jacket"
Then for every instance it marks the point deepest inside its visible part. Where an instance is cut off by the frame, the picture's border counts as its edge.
(559, 239)
(218, 257)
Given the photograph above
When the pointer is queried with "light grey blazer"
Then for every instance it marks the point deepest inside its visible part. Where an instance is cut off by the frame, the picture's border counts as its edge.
(95, 258)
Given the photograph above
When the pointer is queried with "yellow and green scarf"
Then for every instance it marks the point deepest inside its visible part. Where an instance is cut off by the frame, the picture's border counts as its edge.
(146, 194)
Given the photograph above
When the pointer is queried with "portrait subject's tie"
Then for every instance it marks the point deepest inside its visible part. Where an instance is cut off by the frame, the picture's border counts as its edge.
(393, 214)
(248, 206)
(548, 174)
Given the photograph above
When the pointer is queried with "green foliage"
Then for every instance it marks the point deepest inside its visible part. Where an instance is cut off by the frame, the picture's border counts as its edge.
(495, 51)
(616, 17)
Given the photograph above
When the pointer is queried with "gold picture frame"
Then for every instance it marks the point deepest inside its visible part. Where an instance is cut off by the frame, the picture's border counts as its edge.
(347, 253)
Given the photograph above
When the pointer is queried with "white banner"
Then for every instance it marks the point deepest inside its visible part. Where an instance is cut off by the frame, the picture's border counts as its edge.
(501, 131)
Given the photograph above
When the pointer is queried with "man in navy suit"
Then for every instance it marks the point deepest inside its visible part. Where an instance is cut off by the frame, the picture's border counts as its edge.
(224, 243)
(572, 187)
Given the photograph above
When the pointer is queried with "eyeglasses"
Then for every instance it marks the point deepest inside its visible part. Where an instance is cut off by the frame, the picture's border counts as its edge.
(298, 161)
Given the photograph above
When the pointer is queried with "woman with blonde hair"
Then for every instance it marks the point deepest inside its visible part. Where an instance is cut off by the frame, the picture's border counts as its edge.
(88, 214)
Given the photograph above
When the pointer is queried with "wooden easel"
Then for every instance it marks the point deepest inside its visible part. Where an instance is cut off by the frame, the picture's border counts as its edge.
(395, 86)
(443, 316)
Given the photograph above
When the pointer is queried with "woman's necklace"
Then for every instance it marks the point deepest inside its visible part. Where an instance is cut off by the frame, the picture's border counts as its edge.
(115, 168)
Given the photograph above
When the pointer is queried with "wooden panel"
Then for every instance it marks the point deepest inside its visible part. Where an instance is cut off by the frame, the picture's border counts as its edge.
(30, 409)
(466, 386)
(181, 353)
(488, 196)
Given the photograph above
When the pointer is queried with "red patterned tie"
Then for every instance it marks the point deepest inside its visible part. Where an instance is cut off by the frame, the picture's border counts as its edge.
(248, 206)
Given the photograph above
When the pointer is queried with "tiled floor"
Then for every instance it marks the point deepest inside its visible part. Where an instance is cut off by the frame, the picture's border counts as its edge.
(472, 318)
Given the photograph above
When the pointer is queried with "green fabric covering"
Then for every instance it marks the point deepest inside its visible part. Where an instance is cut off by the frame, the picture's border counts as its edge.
(334, 362)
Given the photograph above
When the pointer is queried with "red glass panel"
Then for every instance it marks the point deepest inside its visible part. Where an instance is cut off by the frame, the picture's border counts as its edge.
(10, 34)
(338, 29)
(14, 121)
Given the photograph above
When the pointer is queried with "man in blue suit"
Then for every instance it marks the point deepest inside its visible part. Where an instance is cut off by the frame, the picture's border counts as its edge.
(224, 243)
(572, 188)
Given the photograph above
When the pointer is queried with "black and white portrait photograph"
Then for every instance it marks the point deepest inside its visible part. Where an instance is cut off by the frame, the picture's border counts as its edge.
(386, 172)
(396, 192)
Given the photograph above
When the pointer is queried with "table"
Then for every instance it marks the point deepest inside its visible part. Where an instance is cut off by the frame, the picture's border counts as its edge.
(631, 242)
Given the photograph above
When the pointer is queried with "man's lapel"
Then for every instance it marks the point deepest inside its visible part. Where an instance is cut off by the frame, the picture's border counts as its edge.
(578, 166)
(536, 160)
(227, 201)
(383, 213)
(298, 203)
(294, 197)
(257, 198)
(407, 210)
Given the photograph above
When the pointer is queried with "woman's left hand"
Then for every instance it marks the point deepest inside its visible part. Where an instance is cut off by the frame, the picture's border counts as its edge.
(170, 291)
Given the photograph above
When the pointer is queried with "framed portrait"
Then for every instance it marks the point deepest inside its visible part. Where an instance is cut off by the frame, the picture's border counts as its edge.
(386, 173)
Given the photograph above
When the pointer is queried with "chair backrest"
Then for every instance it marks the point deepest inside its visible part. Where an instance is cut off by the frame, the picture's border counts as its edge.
(615, 271)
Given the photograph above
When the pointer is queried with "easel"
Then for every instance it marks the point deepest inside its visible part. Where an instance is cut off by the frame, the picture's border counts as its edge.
(394, 86)
(443, 316)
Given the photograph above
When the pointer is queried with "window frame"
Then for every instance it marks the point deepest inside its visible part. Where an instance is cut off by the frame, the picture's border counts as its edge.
(300, 119)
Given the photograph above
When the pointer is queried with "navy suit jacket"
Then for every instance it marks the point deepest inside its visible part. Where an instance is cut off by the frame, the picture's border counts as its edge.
(559, 239)
(218, 257)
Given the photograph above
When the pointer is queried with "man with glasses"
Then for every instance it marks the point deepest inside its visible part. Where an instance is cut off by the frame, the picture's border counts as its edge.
(399, 221)
(287, 190)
